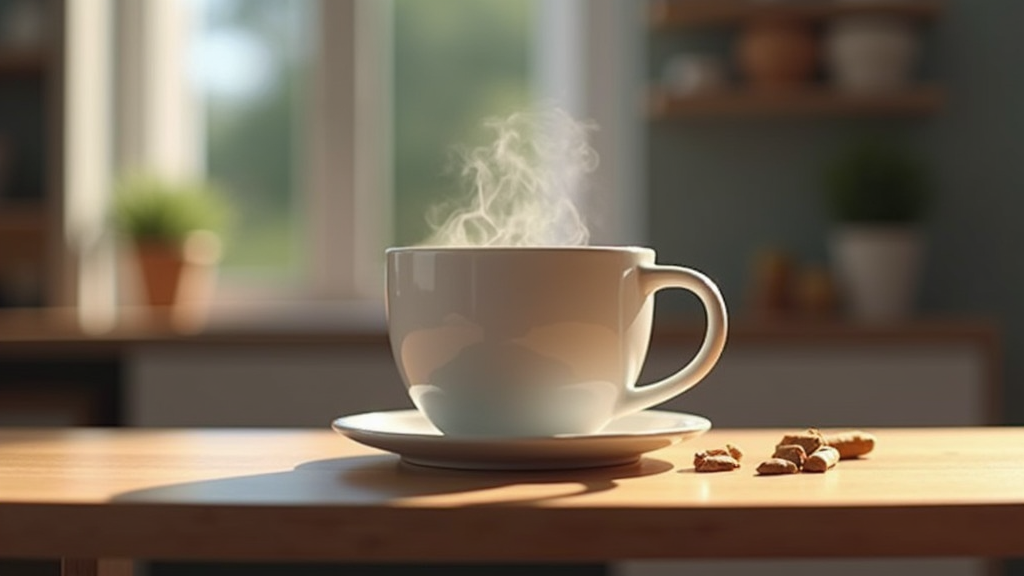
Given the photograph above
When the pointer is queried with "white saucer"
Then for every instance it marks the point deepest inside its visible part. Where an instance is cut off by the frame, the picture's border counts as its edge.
(409, 434)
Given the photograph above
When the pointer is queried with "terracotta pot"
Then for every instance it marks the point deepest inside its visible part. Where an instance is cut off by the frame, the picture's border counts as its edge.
(160, 266)
(777, 53)
(179, 278)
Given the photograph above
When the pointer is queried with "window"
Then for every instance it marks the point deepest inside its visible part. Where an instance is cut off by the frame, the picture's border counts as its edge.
(249, 69)
(331, 124)
(456, 62)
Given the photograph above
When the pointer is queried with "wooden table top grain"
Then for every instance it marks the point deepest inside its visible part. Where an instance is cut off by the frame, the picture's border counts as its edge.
(314, 495)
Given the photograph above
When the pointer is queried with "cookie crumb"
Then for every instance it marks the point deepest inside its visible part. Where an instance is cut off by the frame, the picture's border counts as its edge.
(775, 466)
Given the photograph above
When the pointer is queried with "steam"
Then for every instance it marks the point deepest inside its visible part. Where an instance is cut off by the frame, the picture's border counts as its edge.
(522, 185)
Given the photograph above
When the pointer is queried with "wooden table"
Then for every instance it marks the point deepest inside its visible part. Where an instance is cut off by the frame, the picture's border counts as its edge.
(88, 495)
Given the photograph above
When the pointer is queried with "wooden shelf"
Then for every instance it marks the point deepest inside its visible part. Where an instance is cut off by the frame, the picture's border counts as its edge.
(804, 102)
(696, 13)
(22, 217)
(22, 61)
(61, 328)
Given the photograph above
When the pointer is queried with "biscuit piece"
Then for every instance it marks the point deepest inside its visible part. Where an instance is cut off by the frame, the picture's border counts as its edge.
(810, 440)
(734, 451)
(822, 460)
(793, 452)
(851, 444)
(699, 457)
(775, 466)
(716, 464)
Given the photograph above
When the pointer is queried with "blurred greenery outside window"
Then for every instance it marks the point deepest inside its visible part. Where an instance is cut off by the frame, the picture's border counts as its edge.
(455, 62)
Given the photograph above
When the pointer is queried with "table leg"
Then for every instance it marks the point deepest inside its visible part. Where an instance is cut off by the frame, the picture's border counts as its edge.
(95, 567)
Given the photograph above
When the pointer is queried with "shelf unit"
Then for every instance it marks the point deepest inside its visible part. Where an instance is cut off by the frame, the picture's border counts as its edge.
(21, 61)
(23, 217)
(675, 14)
(32, 250)
(813, 101)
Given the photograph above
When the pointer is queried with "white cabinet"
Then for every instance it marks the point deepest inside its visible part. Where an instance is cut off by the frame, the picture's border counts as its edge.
(814, 380)
(823, 385)
(281, 386)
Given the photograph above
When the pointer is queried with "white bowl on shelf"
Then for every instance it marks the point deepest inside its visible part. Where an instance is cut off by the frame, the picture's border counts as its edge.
(868, 53)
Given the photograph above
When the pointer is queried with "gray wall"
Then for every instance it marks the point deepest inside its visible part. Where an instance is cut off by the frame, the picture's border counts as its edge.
(722, 188)
(977, 151)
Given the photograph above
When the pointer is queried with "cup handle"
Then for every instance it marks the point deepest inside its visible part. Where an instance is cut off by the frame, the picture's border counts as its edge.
(654, 278)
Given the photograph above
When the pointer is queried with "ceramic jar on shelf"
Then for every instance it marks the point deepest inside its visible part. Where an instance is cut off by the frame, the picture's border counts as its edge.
(777, 53)
(871, 53)
(688, 73)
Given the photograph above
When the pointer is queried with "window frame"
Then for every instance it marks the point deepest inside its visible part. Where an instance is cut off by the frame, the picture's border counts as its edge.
(598, 75)
(349, 198)
(352, 89)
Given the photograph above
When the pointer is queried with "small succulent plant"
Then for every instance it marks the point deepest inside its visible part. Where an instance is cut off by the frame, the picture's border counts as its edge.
(148, 208)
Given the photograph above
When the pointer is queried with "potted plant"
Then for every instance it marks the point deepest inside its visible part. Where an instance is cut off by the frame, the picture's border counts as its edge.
(877, 196)
(173, 228)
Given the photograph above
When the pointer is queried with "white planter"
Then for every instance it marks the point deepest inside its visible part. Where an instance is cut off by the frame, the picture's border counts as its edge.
(878, 269)
(871, 53)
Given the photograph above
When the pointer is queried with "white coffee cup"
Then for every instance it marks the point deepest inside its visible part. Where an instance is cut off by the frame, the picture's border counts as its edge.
(535, 341)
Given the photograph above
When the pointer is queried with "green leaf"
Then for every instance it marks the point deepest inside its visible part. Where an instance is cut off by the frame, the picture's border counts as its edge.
(874, 181)
(149, 208)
